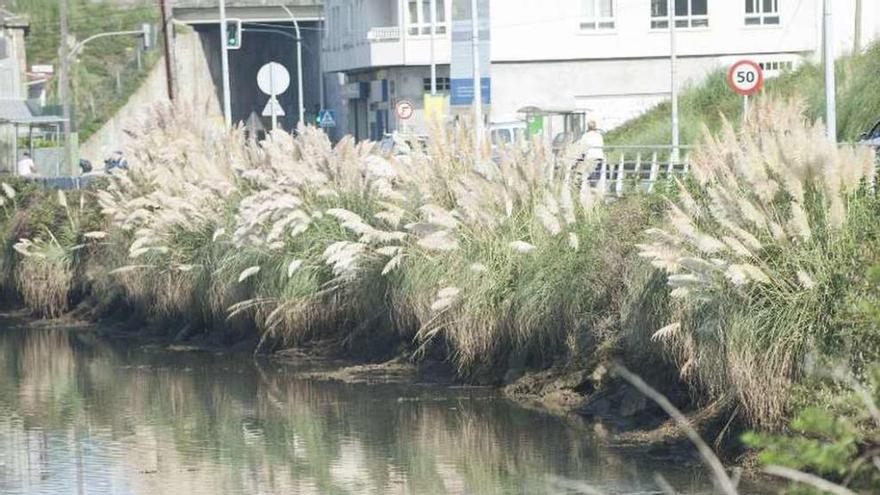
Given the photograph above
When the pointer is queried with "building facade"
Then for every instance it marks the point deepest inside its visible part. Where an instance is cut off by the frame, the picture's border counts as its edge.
(608, 57)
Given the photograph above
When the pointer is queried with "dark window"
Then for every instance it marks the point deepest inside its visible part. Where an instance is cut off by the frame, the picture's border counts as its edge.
(762, 12)
(688, 14)
(442, 84)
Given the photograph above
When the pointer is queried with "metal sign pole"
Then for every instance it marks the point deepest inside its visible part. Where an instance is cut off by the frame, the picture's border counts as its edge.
(745, 108)
(224, 67)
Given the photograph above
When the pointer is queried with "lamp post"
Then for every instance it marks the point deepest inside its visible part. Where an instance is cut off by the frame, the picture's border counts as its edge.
(433, 36)
(299, 66)
(830, 83)
(478, 89)
(673, 69)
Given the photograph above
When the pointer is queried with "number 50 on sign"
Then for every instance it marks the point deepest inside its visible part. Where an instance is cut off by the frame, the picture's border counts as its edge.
(745, 77)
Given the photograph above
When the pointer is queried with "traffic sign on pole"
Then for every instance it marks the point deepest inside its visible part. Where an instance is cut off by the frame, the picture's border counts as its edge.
(273, 79)
(404, 109)
(745, 77)
(326, 118)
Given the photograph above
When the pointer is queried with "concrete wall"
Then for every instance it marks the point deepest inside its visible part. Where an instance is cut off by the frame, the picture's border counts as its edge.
(194, 90)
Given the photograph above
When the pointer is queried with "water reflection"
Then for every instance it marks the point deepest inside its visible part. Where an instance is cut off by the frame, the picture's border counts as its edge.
(83, 415)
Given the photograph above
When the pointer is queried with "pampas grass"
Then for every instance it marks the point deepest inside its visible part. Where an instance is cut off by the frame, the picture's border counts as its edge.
(489, 262)
(756, 246)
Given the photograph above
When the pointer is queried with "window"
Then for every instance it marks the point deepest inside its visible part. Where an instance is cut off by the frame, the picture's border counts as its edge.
(597, 14)
(776, 66)
(762, 12)
(688, 13)
(418, 17)
(442, 84)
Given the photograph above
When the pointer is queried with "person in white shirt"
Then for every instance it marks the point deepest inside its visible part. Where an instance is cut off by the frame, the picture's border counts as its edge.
(591, 149)
(593, 142)
(26, 167)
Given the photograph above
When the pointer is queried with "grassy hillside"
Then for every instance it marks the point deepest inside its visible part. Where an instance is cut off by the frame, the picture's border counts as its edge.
(858, 102)
(94, 73)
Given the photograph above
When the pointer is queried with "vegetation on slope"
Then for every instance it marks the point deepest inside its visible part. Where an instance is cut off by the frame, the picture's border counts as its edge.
(704, 104)
(96, 95)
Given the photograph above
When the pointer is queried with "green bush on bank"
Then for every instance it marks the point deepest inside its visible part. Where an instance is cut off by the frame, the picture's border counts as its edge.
(858, 107)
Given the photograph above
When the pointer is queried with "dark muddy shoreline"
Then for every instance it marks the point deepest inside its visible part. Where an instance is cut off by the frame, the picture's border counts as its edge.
(586, 397)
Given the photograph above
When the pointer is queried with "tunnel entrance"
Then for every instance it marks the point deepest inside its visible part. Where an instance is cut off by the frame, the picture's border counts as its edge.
(264, 42)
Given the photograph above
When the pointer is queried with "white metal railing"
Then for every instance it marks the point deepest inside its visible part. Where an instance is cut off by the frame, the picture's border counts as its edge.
(386, 33)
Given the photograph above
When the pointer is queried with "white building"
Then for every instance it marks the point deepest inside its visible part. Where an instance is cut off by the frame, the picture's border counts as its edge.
(609, 56)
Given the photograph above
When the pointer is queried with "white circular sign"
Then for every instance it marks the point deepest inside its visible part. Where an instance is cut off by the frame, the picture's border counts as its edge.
(273, 79)
(745, 77)
(404, 109)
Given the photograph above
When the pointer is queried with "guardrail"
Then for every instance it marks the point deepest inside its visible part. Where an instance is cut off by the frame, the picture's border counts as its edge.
(626, 168)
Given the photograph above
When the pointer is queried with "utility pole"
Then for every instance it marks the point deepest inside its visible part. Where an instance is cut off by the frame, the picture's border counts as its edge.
(166, 39)
(478, 88)
(673, 74)
(830, 83)
(224, 67)
(433, 35)
(64, 82)
(857, 32)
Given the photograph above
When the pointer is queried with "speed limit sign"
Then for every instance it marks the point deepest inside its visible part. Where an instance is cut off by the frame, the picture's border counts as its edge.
(745, 77)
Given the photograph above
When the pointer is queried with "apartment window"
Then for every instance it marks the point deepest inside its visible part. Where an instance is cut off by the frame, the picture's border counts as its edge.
(442, 84)
(688, 13)
(418, 19)
(596, 15)
(762, 12)
(776, 66)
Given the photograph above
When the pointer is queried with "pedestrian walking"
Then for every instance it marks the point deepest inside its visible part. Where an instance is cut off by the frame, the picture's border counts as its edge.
(592, 147)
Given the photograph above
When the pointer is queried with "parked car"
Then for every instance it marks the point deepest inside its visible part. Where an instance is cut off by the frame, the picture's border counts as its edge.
(503, 133)
(872, 137)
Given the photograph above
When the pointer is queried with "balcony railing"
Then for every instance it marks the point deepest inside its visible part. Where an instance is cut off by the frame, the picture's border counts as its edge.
(379, 34)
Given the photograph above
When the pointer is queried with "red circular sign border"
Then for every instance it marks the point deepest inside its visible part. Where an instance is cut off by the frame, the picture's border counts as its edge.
(397, 109)
(755, 66)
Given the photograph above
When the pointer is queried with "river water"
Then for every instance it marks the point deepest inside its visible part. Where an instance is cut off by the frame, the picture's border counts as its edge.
(80, 414)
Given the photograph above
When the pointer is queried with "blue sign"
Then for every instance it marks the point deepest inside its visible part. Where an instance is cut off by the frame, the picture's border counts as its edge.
(326, 118)
(461, 91)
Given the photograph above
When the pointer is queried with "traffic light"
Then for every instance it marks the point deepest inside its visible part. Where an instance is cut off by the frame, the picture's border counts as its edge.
(233, 34)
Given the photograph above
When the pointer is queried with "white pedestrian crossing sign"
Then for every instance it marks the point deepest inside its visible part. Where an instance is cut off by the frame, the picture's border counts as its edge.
(326, 119)
(273, 108)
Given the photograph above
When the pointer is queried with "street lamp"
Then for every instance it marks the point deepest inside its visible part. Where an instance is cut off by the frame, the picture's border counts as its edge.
(299, 66)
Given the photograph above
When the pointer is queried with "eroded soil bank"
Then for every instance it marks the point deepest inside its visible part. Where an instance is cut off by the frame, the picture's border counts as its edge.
(586, 395)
